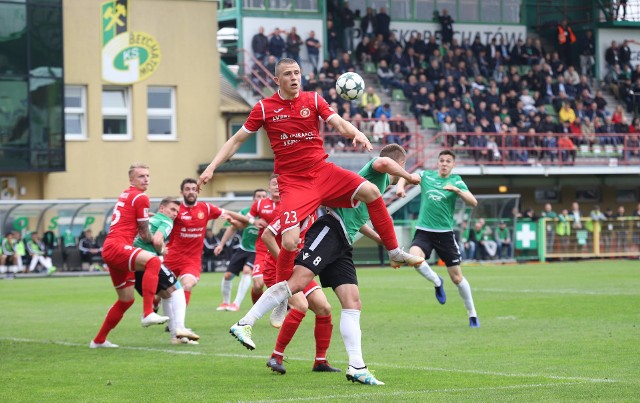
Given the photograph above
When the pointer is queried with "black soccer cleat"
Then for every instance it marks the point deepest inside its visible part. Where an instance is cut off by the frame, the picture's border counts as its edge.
(325, 367)
(276, 366)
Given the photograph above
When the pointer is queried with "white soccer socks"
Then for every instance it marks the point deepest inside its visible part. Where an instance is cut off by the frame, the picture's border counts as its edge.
(464, 289)
(243, 287)
(269, 300)
(425, 270)
(351, 336)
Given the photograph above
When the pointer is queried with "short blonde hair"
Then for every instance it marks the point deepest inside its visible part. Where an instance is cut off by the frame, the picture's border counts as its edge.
(136, 165)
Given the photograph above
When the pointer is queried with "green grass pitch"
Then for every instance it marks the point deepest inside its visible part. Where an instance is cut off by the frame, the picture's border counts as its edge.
(549, 332)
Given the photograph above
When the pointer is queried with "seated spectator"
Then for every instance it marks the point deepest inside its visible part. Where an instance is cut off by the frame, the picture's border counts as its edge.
(632, 147)
(503, 241)
(37, 252)
(549, 147)
(423, 104)
(363, 51)
(383, 110)
(385, 75)
(90, 252)
(449, 126)
(346, 64)
(528, 103)
(567, 149)
(566, 113)
(370, 97)
(381, 129)
(493, 150)
(399, 131)
(411, 87)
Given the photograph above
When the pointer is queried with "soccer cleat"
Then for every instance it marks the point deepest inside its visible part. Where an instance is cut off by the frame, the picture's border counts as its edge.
(276, 365)
(188, 333)
(233, 308)
(183, 340)
(323, 366)
(106, 344)
(400, 258)
(474, 322)
(153, 319)
(278, 315)
(243, 334)
(440, 294)
(222, 307)
(362, 375)
(51, 270)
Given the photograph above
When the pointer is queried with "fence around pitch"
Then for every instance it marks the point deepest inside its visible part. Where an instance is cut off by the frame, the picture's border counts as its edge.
(610, 238)
(531, 149)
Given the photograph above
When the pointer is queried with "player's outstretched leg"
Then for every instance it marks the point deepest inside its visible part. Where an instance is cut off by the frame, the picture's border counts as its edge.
(272, 297)
(425, 270)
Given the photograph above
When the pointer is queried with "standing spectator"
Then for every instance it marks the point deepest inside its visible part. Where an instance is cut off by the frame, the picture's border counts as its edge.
(368, 24)
(381, 129)
(621, 230)
(293, 45)
(611, 56)
(348, 22)
(90, 252)
(503, 241)
(624, 55)
(400, 131)
(446, 26)
(276, 45)
(566, 38)
(567, 149)
(260, 45)
(549, 215)
(382, 23)
(623, 4)
(313, 50)
(587, 54)
(332, 40)
(69, 245)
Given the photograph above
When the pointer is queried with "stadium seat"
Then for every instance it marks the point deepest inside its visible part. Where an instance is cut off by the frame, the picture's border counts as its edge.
(524, 69)
(370, 68)
(620, 149)
(609, 150)
(597, 150)
(550, 110)
(429, 123)
(398, 95)
(584, 151)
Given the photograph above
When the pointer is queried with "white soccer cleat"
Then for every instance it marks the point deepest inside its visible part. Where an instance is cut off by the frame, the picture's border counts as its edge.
(183, 340)
(188, 333)
(362, 375)
(153, 319)
(106, 344)
(278, 315)
(402, 258)
(243, 334)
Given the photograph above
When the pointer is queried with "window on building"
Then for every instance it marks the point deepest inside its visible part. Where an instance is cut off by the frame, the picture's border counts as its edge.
(280, 4)
(248, 149)
(451, 6)
(116, 113)
(469, 10)
(511, 11)
(307, 5)
(490, 11)
(401, 10)
(75, 112)
(376, 4)
(424, 9)
(253, 4)
(161, 113)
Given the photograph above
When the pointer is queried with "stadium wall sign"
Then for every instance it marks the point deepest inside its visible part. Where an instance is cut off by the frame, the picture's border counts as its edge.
(127, 57)
(606, 36)
(404, 30)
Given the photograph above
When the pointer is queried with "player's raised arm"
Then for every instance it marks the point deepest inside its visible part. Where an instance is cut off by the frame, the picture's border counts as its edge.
(350, 131)
(371, 234)
(465, 195)
(227, 151)
(391, 167)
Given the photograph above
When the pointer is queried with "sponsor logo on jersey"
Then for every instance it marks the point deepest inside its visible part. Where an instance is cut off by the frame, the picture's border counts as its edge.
(200, 215)
(281, 117)
(435, 195)
(305, 112)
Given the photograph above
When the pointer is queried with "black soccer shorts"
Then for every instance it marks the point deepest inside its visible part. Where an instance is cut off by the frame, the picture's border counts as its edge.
(166, 279)
(239, 259)
(443, 242)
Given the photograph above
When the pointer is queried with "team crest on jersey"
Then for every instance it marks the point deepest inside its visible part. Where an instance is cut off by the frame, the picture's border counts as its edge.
(200, 215)
(305, 112)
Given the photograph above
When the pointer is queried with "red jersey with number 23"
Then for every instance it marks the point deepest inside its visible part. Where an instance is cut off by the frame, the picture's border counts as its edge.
(293, 127)
(187, 237)
(132, 206)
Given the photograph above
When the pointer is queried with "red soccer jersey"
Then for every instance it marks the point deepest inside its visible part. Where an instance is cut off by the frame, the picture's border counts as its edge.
(293, 129)
(187, 237)
(275, 228)
(266, 209)
(132, 206)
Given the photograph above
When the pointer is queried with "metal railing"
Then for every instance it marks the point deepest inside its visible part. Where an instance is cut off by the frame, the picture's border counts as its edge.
(257, 77)
(501, 149)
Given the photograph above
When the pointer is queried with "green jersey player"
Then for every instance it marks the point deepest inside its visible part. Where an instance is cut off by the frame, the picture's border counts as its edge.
(434, 229)
(174, 304)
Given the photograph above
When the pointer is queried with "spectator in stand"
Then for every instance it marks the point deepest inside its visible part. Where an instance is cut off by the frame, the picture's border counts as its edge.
(413, 61)
(566, 39)
(370, 97)
(346, 64)
(348, 23)
(334, 69)
(449, 128)
(260, 45)
(368, 24)
(566, 113)
(332, 40)
(294, 42)
(398, 58)
(517, 54)
(423, 104)
(621, 229)
(587, 53)
(468, 250)
(617, 116)
(276, 45)
(382, 22)
(90, 252)
(539, 55)
(572, 74)
(567, 149)
(363, 51)
(624, 54)
(383, 110)
(446, 26)
(411, 87)
(503, 241)
(549, 147)
(399, 131)
(313, 50)
(600, 102)
(381, 130)
(398, 81)
(611, 55)
(37, 251)
(557, 66)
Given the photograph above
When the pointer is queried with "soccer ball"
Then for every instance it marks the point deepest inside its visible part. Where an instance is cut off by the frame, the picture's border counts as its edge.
(350, 86)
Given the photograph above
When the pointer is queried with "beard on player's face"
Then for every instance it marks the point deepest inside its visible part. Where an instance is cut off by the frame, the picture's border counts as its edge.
(190, 198)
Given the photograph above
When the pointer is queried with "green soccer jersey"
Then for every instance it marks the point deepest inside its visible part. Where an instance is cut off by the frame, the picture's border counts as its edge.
(249, 234)
(437, 205)
(158, 222)
(354, 218)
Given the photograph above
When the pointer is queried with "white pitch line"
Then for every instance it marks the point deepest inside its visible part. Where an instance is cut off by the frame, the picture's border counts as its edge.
(545, 291)
(399, 393)
(372, 364)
